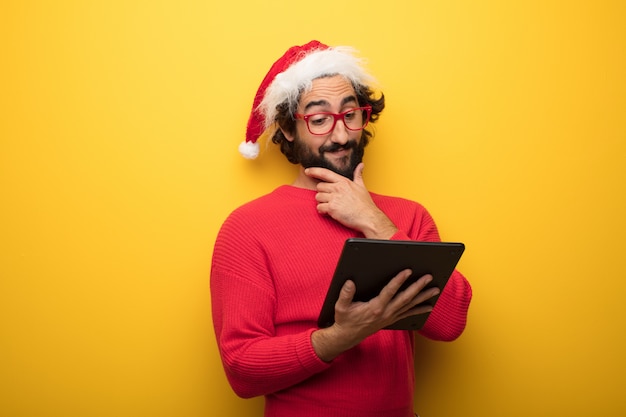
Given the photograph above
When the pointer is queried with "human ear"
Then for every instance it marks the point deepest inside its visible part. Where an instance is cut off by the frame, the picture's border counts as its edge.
(287, 135)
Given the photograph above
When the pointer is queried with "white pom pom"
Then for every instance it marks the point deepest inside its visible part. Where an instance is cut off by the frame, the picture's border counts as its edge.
(249, 150)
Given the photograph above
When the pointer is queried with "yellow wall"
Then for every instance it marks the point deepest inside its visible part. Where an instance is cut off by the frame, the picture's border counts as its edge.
(119, 124)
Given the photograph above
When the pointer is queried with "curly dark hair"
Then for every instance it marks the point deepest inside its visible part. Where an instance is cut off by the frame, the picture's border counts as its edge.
(287, 121)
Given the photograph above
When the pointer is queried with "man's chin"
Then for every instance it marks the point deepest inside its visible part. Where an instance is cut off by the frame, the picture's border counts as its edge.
(342, 160)
(343, 168)
(342, 163)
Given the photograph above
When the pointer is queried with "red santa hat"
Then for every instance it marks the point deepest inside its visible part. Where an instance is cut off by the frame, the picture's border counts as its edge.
(293, 73)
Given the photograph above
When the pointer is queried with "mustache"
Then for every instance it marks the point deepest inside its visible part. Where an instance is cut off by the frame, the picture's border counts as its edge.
(334, 147)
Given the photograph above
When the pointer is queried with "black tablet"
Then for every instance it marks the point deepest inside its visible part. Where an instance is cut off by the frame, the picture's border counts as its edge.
(371, 263)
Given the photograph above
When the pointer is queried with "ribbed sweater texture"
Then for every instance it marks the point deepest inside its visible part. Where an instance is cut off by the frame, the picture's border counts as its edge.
(272, 264)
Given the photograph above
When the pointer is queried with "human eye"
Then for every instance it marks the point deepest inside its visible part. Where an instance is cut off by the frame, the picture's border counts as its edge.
(319, 119)
(350, 114)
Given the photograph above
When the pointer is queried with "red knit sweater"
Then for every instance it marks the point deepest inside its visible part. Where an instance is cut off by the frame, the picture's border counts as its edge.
(272, 264)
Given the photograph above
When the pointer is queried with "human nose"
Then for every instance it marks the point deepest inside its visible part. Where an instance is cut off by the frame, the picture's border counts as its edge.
(340, 133)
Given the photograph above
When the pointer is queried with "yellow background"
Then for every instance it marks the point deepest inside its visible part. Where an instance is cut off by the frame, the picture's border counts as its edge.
(119, 126)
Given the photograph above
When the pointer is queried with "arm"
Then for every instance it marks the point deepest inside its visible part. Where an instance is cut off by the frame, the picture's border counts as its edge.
(448, 319)
(350, 203)
(256, 360)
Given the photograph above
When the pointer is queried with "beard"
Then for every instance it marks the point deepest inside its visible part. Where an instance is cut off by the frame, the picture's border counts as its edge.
(305, 156)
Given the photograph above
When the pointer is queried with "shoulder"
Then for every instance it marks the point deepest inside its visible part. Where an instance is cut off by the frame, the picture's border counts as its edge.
(247, 215)
(283, 199)
(257, 205)
(397, 203)
(284, 204)
(409, 216)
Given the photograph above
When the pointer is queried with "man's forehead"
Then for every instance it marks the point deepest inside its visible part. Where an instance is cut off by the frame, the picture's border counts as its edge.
(328, 90)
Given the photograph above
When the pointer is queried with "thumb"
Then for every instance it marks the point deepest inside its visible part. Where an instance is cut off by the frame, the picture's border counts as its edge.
(358, 174)
(347, 294)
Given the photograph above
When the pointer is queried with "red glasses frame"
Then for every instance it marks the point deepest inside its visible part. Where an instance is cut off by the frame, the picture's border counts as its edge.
(337, 116)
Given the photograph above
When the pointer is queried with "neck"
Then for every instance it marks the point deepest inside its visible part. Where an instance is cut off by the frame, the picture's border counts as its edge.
(304, 181)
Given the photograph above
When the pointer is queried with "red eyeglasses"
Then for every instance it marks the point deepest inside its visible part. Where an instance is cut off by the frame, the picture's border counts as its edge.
(323, 123)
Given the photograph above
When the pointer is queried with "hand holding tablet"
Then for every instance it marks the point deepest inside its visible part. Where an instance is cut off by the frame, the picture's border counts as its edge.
(371, 263)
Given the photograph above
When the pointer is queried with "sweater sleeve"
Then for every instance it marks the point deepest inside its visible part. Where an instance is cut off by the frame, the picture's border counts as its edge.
(256, 360)
(449, 316)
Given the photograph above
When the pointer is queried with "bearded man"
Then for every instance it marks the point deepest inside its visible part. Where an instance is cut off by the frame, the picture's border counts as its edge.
(274, 257)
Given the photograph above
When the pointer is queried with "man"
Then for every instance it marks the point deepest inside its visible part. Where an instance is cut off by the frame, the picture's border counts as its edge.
(274, 257)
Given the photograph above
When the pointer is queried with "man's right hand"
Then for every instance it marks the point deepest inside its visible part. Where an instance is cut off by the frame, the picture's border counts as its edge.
(350, 203)
(354, 321)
